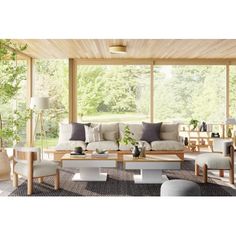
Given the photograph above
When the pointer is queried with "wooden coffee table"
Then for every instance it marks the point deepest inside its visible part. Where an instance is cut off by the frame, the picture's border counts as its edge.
(151, 167)
(89, 167)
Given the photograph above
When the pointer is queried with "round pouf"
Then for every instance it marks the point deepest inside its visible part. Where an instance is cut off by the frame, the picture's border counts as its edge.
(180, 187)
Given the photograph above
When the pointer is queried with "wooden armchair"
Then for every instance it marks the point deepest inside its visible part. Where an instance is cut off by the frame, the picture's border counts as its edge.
(217, 161)
(27, 163)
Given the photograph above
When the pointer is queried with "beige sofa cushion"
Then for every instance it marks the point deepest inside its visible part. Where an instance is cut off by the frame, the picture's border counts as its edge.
(136, 129)
(167, 145)
(65, 131)
(70, 145)
(108, 145)
(213, 161)
(106, 128)
(124, 147)
(169, 132)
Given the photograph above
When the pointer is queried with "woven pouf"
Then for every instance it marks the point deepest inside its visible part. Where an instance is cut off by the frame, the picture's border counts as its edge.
(180, 187)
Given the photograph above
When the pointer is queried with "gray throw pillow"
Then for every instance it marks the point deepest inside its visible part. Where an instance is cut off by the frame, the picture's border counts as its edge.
(78, 131)
(110, 136)
(151, 131)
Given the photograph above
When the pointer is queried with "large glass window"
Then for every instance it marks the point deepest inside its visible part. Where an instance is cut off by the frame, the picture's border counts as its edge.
(113, 93)
(232, 92)
(51, 80)
(185, 92)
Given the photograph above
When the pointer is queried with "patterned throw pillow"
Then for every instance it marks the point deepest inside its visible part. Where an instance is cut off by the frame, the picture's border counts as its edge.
(93, 134)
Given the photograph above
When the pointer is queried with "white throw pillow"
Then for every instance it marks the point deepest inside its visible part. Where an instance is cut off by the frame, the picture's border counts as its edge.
(93, 134)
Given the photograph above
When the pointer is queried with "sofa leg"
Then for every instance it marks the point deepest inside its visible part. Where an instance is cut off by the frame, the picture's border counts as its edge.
(40, 180)
(205, 174)
(15, 180)
(29, 186)
(231, 176)
(221, 173)
(57, 180)
(196, 169)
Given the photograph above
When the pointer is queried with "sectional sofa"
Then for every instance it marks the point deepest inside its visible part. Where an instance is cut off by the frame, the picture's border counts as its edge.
(170, 142)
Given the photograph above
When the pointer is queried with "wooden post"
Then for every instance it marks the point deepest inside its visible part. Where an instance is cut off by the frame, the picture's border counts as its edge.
(205, 173)
(72, 90)
(152, 93)
(196, 169)
(227, 92)
(29, 127)
(30, 159)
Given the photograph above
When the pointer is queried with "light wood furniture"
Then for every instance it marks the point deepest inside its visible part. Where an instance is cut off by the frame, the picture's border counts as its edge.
(27, 163)
(151, 167)
(58, 154)
(89, 167)
(222, 163)
(199, 139)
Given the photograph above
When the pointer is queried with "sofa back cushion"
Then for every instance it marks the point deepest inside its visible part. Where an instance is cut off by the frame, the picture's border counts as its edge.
(110, 132)
(151, 131)
(136, 129)
(78, 131)
(65, 131)
(169, 132)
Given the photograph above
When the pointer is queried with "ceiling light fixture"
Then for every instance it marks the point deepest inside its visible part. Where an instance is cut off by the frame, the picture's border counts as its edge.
(117, 49)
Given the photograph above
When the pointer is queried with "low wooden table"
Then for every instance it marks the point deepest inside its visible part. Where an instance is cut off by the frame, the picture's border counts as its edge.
(89, 167)
(151, 167)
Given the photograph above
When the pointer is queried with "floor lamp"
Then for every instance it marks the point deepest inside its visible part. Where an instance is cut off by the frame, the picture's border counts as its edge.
(39, 104)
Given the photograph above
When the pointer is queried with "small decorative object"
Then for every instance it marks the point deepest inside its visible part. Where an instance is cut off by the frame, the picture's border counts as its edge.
(194, 123)
(78, 150)
(203, 127)
(215, 135)
(142, 150)
(186, 141)
(135, 151)
(100, 153)
(229, 133)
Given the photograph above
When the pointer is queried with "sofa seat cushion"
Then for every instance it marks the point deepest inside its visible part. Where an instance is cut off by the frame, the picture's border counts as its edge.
(124, 147)
(108, 145)
(40, 168)
(167, 145)
(213, 161)
(70, 145)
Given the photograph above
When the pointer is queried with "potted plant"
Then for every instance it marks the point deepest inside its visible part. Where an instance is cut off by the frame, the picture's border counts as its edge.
(129, 139)
(194, 123)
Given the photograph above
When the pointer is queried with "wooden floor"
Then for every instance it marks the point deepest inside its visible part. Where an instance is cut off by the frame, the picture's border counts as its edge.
(6, 186)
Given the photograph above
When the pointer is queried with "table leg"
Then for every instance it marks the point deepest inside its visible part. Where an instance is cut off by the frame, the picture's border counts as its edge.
(90, 174)
(150, 177)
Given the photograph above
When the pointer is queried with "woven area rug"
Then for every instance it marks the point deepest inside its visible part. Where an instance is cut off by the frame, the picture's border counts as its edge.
(119, 183)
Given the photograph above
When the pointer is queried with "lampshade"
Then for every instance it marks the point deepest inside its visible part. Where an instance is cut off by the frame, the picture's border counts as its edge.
(230, 121)
(39, 103)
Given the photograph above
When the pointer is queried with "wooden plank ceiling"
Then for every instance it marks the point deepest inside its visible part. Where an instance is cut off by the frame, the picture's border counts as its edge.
(136, 48)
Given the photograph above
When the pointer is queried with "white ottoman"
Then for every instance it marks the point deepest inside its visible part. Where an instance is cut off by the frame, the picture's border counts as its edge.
(180, 187)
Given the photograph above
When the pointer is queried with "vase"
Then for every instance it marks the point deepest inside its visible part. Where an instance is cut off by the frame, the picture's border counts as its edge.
(5, 168)
(135, 151)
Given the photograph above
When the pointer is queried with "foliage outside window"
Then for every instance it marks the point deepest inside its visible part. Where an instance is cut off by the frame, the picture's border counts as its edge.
(13, 111)
(187, 92)
(232, 92)
(113, 93)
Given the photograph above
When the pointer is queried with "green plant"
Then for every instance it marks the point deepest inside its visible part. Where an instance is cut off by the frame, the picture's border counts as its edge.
(128, 137)
(194, 123)
(11, 75)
